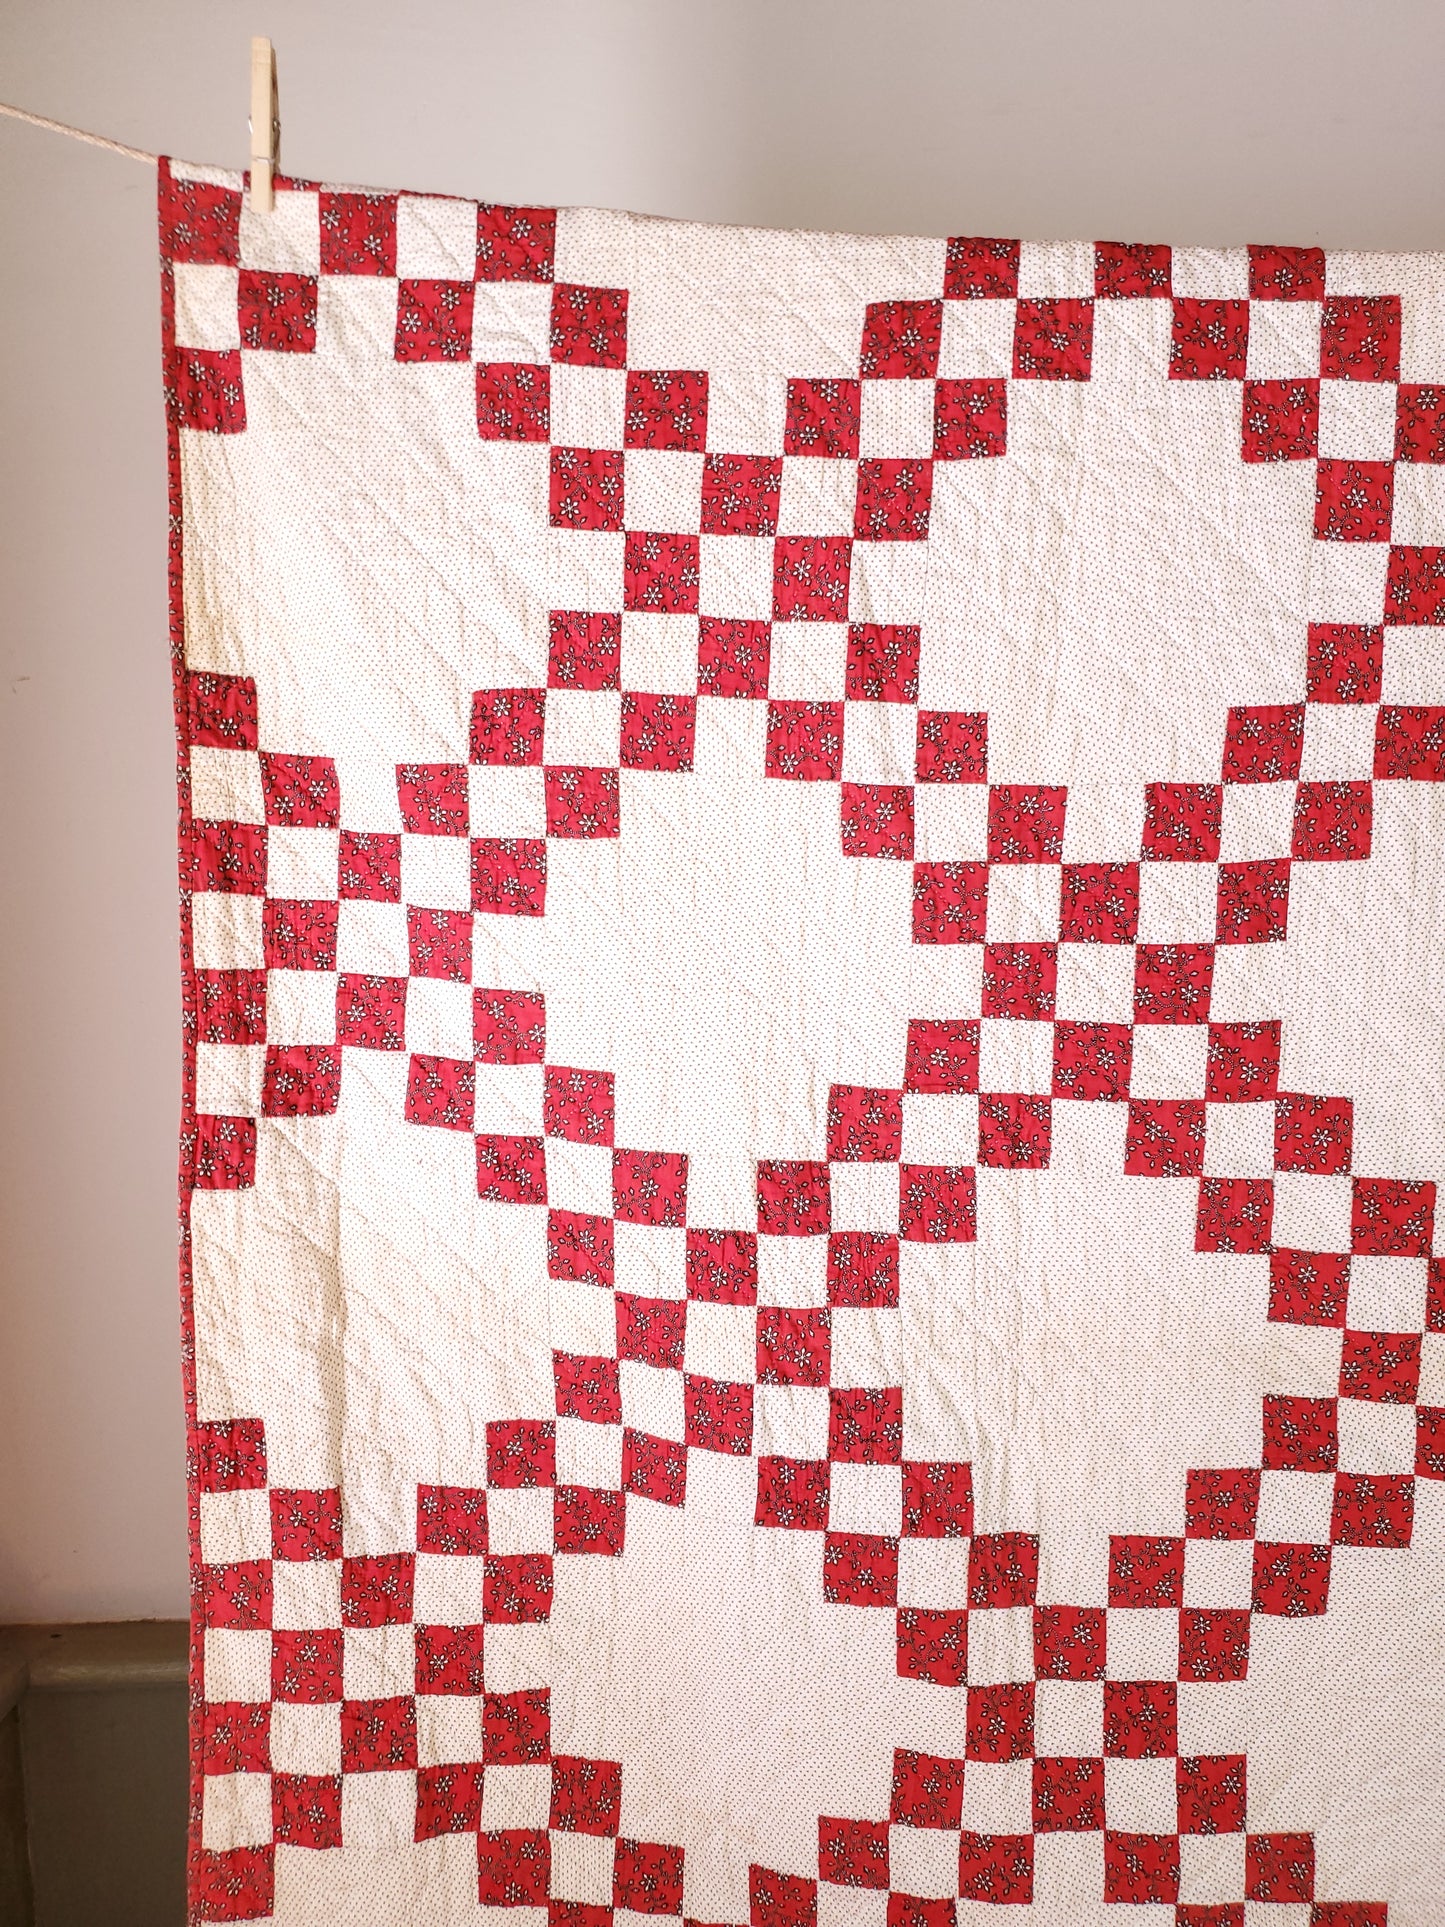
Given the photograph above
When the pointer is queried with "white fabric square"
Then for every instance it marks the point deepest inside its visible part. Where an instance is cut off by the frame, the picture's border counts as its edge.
(1104, 822)
(1140, 1796)
(1376, 1437)
(896, 420)
(235, 1811)
(447, 1586)
(1014, 1054)
(306, 1739)
(236, 1665)
(206, 315)
(582, 1868)
(1295, 1507)
(721, 1342)
(1000, 1645)
(792, 1271)
(1239, 1140)
(1212, 1865)
(226, 786)
(1169, 1060)
(436, 238)
(978, 340)
(378, 1662)
(659, 654)
(1357, 421)
(865, 1197)
(1219, 1572)
(939, 1128)
(439, 1024)
(519, 1520)
(1257, 820)
(1095, 983)
(651, 1400)
(1414, 671)
(1087, 1137)
(838, 1906)
(808, 661)
(436, 872)
(301, 1007)
(1069, 1718)
(950, 822)
(306, 1594)
(866, 1498)
(506, 801)
(1210, 274)
(1143, 1643)
(1432, 1369)
(747, 412)
(588, 406)
(933, 1573)
(229, 1079)
(226, 931)
(585, 566)
(1347, 579)
(516, 1796)
(1387, 1294)
(301, 863)
(234, 1526)
(888, 582)
(818, 495)
(287, 239)
(1023, 902)
(1178, 902)
(579, 1177)
(923, 1861)
(518, 1657)
(448, 1728)
(1284, 341)
(1419, 508)
(735, 577)
(998, 1795)
(879, 742)
(867, 1345)
(583, 1318)
(790, 1421)
(650, 1259)
(589, 1454)
(663, 489)
(1339, 742)
(1311, 1211)
(583, 727)
(1056, 270)
(512, 322)
(378, 1810)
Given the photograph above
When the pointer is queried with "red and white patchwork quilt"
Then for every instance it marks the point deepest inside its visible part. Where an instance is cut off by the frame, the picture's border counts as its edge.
(813, 902)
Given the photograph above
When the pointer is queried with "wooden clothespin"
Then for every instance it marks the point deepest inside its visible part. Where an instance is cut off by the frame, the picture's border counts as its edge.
(265, 124)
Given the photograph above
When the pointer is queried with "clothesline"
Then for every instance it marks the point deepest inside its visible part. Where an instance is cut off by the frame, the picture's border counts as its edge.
(78, 133)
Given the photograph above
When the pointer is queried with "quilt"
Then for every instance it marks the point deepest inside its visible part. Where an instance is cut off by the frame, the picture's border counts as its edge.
(813, 927)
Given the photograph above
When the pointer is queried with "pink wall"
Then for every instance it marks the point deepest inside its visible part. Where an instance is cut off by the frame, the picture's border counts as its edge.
(1291, 120)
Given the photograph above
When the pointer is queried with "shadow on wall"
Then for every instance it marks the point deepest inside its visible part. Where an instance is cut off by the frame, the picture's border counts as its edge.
(93, 1775)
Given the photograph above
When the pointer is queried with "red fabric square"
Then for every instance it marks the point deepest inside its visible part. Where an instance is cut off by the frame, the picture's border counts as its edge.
(932, 1645)
(358, 233)
(1181, 822)
(509, 1026)
(441, 1090)
(237, 1738)
(650, 1187)
(1053, 340)
(660, 573)
(1263, 744)
(588, 1521)
(893, 501)
(1125, 271)
(299, 936)
(451, 1519)
(1280, 421)
(1252, 902)
(1373, 1510)
(434, 320)
(1025, 823)
(1279, 1866)
(369, 867)
(952, 747)
(514, 401)
(440, 944)
(980, 267)
(722, 1267)
(805, 741)
(587, 1388)
(378, 1735)
(1214, 1643)
(937, 1204)
(301, 790)
(658, 732)
(199, 221)
(306, 1809)
(207, 388)
(1308, 1287)
(517, 1589)
(1099, 903)
(1243, 1062)
(584, 652)
(666, 408)
(1415, 586)
(509, 875)
(1286, 274)
(222, 709)
(224, 1154)
(942, 1054)
(1000, 1722)
(230, 1455)
(449, 1659)
(1429, 1442)
(306, 1667)
(1172, 983)
(794, 1345)
(1345, 661)
(377, 1591)
(717, 1415)
(1068, 1796)
(794, 1198)
(229, 858)
(996, 1867)
(1140, 1719)
(654, 1468)
(860, 1569)
(1221, 1504)
(433, 798)
(1014, 1132)
(970, 420)
(733, 657)
(1069, 1642)
(521, 1453)
(1209, 341)
(740, 494)
(277, 311)
(1019, 979)
(646, 1878)
(866, 1427)
(1165, 1138)
(586, 489)
(301, 1080)
(863, 1269)
(1093, 1061)
(1435, 1295)
(792, 1493)
(231, 1006)
(1003, 1569)
(305, 1525)
(877, 820)
(1393, 1217)
(580, 1247)
(1382, 1366)
(1313, 1133)
(650, 1330)
(1354, 501)
(810, 578)
(448, 1800)
(589, 326)
(511, 1170)
(1410, 743)
(514, 1867)
(515, 243)
(1419, 422)
(582, 803)
(927, 1790)
(1300, 1434)
(577, 1105)
(238, 1884)
(901, 340)
(781, 1900)
(937, 1499)
(853, 1853)
(1291, 1582)
(1360, 337)
(882, 662)
(1144, 1571)
(950, 902)
(1141, 1866)
(864, 1126)
(822, 418)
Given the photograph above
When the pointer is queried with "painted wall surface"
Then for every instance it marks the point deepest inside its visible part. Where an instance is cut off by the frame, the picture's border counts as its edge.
(1302, 121)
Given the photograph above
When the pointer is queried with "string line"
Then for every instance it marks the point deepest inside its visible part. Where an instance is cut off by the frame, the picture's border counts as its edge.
(78, 134)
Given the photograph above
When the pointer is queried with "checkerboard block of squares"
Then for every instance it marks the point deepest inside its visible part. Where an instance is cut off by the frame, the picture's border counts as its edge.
(810, 877)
